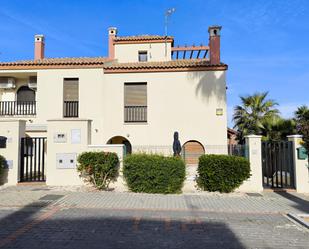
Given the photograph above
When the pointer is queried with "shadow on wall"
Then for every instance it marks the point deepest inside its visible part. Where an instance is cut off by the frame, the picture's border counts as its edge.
(95, 228)
(207, 85)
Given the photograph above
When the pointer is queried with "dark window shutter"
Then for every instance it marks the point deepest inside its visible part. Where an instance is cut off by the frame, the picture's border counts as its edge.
(70, 90)
(135, 94)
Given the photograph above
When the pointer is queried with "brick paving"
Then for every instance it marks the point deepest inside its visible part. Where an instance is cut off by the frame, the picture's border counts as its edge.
(126, 220)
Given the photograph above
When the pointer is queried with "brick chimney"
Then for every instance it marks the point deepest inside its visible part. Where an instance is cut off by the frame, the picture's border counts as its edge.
(214, 44)
(39, 47)
(112, 33)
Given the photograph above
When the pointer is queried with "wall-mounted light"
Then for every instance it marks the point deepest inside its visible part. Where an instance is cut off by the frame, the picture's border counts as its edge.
(219, 111)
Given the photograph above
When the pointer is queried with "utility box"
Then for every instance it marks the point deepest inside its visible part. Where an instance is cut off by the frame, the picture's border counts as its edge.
(302, 153)
(66, 160)
(3, 142)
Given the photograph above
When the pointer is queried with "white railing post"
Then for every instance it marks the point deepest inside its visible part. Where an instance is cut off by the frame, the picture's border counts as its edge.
(301, 171)
(255, 182)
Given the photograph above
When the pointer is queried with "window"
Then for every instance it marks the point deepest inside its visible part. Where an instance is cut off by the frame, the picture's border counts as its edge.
(70, 97)
(135, 102)
(25, 94)
(142, 56)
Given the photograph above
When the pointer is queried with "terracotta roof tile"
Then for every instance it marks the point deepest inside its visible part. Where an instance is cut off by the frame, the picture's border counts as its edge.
(142, 37)
(58, 61)
(162, 64)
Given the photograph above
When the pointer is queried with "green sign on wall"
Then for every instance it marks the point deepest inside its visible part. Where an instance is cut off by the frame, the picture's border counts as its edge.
(302, 153)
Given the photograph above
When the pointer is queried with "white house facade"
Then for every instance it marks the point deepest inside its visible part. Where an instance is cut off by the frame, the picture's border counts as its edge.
(139, 95)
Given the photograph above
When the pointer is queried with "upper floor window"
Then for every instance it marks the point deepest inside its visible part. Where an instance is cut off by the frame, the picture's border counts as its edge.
(142, 56)
(135, 102)
(70, 97)
(25, 94)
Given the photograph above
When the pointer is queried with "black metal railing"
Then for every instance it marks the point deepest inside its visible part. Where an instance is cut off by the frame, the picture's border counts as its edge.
(17, 108)
(135, 114)
(70, 109)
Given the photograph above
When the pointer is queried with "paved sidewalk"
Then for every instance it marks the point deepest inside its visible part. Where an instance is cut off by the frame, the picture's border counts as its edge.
(49, 217)
(267, 202)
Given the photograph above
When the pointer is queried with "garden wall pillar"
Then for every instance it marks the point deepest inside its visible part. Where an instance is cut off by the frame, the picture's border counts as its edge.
(13, 131)
(301, 170)
(255, 182)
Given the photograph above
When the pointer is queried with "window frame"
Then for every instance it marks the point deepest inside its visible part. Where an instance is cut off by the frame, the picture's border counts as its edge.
(125, 106)
(143, 52)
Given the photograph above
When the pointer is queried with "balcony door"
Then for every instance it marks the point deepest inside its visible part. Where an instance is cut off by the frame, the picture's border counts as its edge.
(70, 97)
(25, 94)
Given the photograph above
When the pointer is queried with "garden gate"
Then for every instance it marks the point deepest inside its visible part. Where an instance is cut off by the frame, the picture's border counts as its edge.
(32, 159)
(278, 164)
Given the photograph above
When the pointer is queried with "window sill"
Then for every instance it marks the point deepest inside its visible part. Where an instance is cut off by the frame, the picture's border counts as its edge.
(135, 123)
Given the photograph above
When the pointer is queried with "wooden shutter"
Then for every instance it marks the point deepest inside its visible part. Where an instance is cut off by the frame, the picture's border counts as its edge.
(70, 89)
(135, 94)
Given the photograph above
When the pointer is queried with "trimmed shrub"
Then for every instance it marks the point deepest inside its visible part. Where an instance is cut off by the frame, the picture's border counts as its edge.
(221, 172)
(2, 164)
(154, 173)
(99, 168)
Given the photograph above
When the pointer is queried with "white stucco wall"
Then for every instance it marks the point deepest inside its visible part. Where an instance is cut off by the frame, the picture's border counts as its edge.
(129, 52)
(177, 101)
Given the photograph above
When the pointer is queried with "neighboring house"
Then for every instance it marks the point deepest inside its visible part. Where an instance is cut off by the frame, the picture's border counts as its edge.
(232, 136)
(144, 91)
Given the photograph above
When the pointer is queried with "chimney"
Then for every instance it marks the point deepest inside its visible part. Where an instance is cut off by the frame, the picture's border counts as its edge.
(39, 47)
(112, 33)
(214, 44)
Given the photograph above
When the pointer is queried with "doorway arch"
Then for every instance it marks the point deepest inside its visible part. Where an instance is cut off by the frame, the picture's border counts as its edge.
(191, 151)
(121, 140)
(25, 94)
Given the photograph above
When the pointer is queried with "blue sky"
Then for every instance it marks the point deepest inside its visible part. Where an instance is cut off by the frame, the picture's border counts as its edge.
(264, 42)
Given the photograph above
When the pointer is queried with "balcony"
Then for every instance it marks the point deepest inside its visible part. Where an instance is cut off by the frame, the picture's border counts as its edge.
(134, 114)
(70, 109)
(17, 108)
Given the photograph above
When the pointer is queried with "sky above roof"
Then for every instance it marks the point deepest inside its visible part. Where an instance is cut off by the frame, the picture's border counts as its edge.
(264, 42)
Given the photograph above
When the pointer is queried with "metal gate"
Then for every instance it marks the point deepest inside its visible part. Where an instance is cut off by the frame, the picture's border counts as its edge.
(278, 164)
(32, 159)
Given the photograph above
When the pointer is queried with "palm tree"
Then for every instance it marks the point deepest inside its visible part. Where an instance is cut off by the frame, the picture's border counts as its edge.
(253, 112)
(277, 129)
(302, 120)
(302, 113)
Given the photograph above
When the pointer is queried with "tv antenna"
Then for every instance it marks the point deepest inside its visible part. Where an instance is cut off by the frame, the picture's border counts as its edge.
(168, 13)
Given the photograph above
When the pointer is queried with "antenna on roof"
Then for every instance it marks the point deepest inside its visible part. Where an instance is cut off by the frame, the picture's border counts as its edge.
(168, 13)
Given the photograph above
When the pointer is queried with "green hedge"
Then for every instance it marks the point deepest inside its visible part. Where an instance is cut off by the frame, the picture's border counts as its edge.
(221, 172)
(2, 164)
(99, 168)
(154, 173)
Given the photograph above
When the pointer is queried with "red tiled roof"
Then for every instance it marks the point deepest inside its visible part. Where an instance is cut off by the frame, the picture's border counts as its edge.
(57, 61)
(163, 65)
(142, 38)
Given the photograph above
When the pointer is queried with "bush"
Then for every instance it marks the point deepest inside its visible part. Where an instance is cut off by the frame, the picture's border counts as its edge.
(99, 168)
(154, 173)
(221, 172)
(2, 164)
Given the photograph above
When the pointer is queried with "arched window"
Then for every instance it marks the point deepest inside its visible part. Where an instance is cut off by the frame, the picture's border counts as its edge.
(24, 93)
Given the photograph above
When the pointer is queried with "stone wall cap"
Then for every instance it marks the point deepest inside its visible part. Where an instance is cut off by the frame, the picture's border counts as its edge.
(12, 120)
(68, 119)
(105, 145)
(295, 136)
(253, 136)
